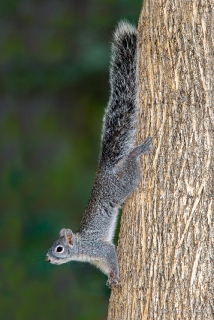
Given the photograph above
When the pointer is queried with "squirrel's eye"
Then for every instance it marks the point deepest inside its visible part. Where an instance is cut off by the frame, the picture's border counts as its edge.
(59, 249)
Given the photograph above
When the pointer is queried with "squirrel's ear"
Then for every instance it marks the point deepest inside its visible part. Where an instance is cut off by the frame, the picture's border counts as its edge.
(68, 234)
(62, 232)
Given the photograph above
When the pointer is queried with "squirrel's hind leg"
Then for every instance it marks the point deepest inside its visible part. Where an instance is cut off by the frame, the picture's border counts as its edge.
(145, 147)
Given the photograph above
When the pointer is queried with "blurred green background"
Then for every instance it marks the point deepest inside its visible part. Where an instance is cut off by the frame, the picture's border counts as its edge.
(54, 60)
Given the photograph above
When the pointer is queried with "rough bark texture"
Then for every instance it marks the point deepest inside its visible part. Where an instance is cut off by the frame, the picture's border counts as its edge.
(166, 242)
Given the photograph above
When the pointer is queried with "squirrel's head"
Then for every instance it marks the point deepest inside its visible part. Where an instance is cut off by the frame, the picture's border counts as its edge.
(62, 249)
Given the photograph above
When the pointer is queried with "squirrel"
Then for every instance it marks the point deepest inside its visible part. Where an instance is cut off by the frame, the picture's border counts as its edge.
(118, 172)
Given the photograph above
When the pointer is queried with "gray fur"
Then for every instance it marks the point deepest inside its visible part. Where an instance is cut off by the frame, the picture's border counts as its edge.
(118, 171)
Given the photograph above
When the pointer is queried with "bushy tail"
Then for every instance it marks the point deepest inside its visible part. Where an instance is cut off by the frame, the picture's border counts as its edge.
(119, 122)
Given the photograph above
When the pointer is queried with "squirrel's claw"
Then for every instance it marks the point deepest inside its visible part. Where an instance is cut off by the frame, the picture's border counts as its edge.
(112, 280)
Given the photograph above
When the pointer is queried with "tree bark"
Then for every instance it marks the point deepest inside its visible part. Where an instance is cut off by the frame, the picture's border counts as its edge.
(166, 241)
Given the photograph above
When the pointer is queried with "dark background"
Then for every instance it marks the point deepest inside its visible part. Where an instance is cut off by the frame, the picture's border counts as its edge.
(54, 60)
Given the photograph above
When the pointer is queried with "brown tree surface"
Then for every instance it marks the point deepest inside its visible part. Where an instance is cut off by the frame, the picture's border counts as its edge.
(166, 241)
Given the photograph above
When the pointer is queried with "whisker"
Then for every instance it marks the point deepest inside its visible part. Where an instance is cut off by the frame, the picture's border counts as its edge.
(38, 258)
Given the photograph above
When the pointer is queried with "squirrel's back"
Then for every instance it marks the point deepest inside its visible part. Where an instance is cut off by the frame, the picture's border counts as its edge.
(119, 122)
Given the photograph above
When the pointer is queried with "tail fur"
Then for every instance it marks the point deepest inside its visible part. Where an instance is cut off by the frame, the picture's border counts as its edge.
(119, 122)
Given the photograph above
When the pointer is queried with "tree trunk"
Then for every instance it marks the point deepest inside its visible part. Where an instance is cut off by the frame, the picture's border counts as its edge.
(166, 241)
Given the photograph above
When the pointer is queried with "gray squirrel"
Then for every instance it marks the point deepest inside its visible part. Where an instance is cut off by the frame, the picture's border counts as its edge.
(118, 172)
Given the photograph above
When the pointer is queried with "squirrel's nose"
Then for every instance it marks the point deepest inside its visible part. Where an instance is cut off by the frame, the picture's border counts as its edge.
(47, 259)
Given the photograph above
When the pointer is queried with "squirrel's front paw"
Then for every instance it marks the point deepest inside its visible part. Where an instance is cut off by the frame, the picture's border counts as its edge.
(112, 280)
